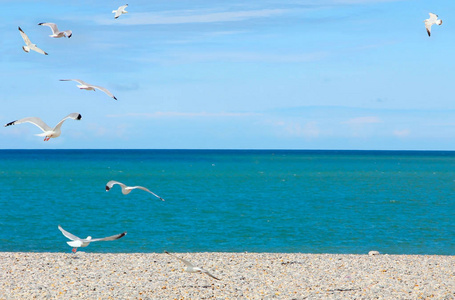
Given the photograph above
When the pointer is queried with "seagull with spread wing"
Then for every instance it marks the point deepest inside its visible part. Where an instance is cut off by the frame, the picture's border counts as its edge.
(90, 87)
(190, 268)
(431, 21)
(77, 242)
(48, 132)
(57, 33)
(29, 45)
(127, 189)
(121, 10)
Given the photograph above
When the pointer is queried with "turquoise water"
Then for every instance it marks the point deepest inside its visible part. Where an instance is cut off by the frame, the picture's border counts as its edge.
(234, 201)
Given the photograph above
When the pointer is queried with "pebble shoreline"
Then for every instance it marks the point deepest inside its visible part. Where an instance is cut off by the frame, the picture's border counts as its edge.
(243, 276)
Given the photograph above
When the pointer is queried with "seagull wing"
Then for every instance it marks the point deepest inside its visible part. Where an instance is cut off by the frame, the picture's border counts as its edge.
(77, 80)
(428, 27)
(68, 235)
(119, 11)
(34, 48)
(74, 116)
(111, 183)
(103, 90)
(53, 27)
(68, 33)
(147, 190)
(109, 238)
(207, 272)
(25, 37)
(433, 17)
(187, 263)
(33, 120)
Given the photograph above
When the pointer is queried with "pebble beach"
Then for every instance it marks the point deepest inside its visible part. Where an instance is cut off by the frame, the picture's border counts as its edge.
(243, 276)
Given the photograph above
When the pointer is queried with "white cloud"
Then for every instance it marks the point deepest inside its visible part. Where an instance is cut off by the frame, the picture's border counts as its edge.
(253, 57)
(237, 57)
(192, 16)
(402, 133)
(296, 129)
(363, 120)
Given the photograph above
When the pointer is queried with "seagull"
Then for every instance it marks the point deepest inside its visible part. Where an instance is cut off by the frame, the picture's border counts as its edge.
(78, 242)
(28, 44)
(121, 10)
(90, 87)
(127, 189)
(192, 268)
(55, 32)
(431, 21)
(47, 131)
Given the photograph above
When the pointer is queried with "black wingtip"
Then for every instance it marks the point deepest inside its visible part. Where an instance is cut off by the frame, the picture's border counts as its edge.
(122, 235)
(107, 188)
(10, 123)
(79, 117)
(40, 23)
(19, 28)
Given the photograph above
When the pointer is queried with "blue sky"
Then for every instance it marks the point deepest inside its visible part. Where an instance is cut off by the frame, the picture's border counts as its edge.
(290, 74)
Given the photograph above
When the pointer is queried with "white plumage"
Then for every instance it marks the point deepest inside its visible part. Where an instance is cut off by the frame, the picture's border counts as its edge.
(121, 10)
(431, 21)
(90, 87)
(78, 242)
(28, 44)
(48, 132)
(127, 189)
(57, 33)
(190, 268)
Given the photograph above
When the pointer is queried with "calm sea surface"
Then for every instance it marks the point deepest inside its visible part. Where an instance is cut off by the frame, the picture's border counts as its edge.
(257, 201)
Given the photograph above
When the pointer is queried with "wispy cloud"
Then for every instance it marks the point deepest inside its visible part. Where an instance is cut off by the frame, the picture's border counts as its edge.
(363, 120)
(401, 133)
(174, 114)
(307, 130)
(192, 16)
(253, 57)
(237, 57)
(295, 128)
(361, 1)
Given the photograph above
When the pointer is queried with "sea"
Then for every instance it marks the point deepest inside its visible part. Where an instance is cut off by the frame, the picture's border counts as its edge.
(289, 201)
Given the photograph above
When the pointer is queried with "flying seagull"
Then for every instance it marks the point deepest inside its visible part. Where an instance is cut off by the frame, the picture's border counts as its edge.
(127, 189)
(78, 242)
(47, 131)
(121, 10)
(57, 33)
(90, 87)
(192, 268)
(431, 21)
(28, 44)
